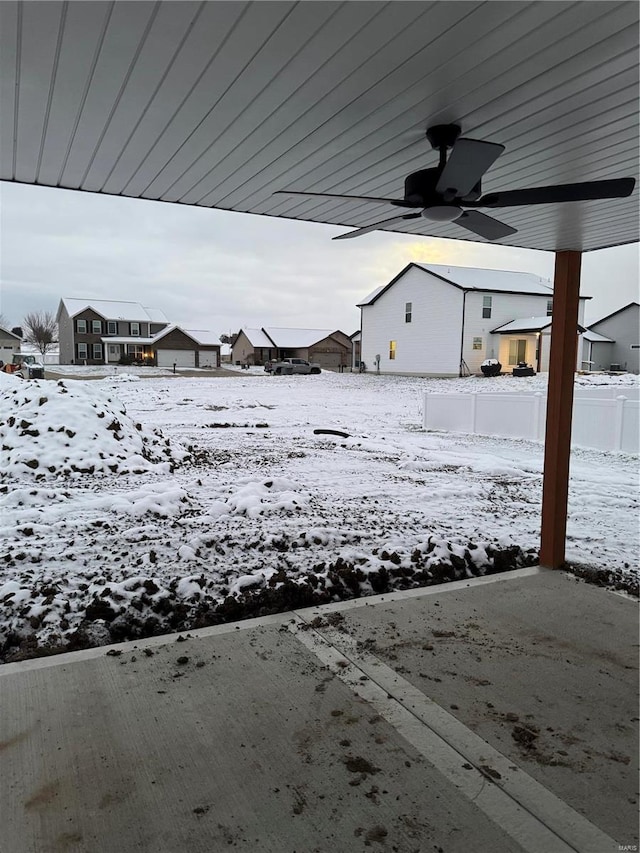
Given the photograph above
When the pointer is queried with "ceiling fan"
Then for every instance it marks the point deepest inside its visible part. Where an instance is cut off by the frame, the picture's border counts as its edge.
(452, 192)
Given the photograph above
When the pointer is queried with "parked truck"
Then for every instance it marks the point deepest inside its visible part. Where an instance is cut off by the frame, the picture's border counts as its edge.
(288, 366)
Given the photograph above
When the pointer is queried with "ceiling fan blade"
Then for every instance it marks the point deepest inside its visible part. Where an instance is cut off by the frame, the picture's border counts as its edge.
(467, 163)
(360, 231)
(484, 226)
(587, 191)
(398, 202)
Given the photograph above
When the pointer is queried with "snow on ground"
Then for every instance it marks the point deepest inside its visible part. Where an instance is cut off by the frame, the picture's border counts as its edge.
(140, 502)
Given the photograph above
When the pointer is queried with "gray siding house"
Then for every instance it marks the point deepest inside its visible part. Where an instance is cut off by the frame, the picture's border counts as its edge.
(612, 343)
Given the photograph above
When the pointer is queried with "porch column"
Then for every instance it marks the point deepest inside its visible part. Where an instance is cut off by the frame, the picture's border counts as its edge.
(557, 448)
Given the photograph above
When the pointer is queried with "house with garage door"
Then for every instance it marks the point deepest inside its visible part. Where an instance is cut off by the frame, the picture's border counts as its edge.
(9, 344)
(436, 320)
(112, 332)
(330, 348)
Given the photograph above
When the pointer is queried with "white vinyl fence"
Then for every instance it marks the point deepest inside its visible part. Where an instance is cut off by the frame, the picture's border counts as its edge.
(605, 423)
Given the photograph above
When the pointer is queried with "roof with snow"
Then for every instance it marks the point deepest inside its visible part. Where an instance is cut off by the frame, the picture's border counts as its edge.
(506, 281)
(595, 338)
(114, 310)
(371, 298)
(527, 324)
(127, 339)
(5, 333)
(472, 278)
(203, 337)
(156, 315)
(257, 338)
(297, 338)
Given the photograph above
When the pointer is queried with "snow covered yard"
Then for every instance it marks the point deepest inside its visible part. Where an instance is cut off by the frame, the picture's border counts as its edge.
(131, 506)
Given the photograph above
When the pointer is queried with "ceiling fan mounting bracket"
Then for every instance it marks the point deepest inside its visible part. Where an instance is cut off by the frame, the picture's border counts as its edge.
(443, 135)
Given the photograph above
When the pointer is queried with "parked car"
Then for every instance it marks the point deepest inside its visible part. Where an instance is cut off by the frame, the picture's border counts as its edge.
(287, 366)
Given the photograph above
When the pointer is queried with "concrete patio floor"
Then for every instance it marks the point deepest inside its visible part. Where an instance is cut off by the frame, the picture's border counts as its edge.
(495, 715)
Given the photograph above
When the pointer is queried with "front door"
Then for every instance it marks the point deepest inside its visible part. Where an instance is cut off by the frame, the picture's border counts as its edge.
(517, 351)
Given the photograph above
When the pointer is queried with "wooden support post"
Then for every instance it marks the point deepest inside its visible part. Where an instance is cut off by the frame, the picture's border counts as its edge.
(557, 448)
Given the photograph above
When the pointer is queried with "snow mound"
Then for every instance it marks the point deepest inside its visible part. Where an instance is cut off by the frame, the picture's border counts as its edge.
(254, 498)
(56, 430)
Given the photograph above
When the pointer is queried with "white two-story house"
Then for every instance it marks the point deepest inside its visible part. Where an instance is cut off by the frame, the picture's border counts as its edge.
(435, 320)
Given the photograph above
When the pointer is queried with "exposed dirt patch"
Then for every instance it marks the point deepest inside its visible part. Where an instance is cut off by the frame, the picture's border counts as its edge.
(609, 578)
(525, 737)
(323, 584)
(357, 764)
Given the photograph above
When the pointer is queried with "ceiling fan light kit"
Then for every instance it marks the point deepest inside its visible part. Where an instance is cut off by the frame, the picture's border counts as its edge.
(442, 212)
(451, 191)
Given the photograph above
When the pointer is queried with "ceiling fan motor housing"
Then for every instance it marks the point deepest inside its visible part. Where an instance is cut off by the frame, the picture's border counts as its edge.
(420, 187)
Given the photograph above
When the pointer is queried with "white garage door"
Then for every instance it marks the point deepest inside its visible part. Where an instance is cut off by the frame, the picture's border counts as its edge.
(207, 358)
(179, 357)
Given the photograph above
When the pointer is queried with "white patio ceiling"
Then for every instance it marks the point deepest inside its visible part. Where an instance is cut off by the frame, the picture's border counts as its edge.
(219, 104)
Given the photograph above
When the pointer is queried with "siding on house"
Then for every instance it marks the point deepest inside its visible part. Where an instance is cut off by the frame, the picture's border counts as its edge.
(65, 336)
(623, 328)
(89, 338)
(599, 355)
(355, 339)
(437, 337)
(175, 339)
(243, 349)
(430, 344)
(504, 308)
(9, 344)
(332, 353)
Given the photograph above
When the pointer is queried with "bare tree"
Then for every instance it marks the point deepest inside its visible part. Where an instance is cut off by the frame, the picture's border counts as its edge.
(4, 323)
(41, 330)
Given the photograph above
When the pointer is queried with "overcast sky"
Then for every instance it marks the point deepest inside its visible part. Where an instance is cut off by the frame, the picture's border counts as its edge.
(209, 269)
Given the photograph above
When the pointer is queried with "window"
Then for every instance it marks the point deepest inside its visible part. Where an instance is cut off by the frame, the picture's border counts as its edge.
(477, 343)
(112, 327)
(81, 327)
(135, 351)
(517, 351)
(96, 327)
(549, 307)
(97, 351)
(134, 328)
(392, 350)
(82, 351)
(486, 307)
(407, 312)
